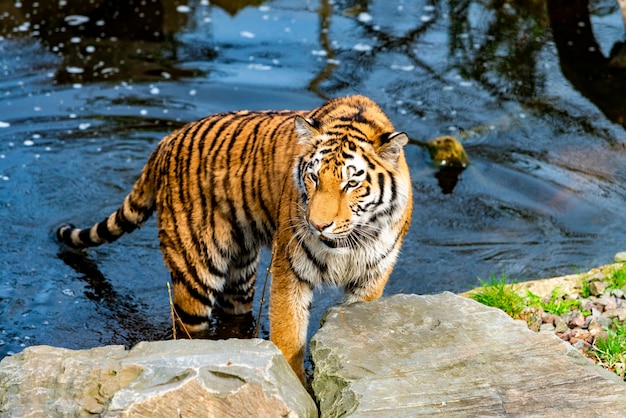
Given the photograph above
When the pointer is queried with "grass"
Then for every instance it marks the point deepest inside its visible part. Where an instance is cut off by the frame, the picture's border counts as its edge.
(617, 280)
(611, 351)
(500, 292)
(557, 303)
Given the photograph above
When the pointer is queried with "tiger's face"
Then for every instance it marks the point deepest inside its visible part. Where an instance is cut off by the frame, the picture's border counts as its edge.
(347, 186)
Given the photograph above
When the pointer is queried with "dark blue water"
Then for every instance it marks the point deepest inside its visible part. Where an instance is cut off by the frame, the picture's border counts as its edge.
(86, 94)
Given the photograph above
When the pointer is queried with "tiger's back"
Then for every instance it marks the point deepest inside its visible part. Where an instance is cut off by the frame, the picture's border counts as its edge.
(331, 192)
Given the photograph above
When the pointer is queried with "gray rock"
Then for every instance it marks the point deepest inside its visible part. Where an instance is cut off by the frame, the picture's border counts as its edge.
(409, 355)
(560, 325)
(547, 328)
(620, 257)
(167, 378)
(597, 288)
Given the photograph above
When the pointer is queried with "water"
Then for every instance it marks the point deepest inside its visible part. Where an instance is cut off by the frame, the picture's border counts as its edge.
(85, 95)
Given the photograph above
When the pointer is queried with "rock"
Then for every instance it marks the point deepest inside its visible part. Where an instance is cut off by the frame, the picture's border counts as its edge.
(560, 325)
(576, 319)
(548, 318)
(620, 257)
(581, 345)
(549, 328)
(408, 355)
(608, 302)
(167, 378)
(595, 326)
(620, 313)
(596, 288)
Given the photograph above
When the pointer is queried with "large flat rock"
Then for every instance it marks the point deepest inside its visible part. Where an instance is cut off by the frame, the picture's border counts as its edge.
(184, 378)
(409, 355)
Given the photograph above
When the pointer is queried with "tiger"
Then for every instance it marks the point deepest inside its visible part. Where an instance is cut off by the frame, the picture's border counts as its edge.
(328, 190)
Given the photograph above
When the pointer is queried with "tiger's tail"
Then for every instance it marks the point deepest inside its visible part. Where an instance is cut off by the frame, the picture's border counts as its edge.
(132, 214)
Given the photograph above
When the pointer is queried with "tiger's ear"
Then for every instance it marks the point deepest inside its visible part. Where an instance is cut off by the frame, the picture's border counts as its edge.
(307, 130)
(391, 146)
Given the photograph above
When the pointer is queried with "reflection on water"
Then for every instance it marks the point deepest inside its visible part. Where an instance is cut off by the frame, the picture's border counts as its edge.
(598, 77)
(88, 88)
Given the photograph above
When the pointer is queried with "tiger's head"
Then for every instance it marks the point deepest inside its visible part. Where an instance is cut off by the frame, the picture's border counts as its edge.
(352, 178)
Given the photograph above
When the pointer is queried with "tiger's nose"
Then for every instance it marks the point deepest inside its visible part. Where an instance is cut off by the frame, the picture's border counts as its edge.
(320, 226)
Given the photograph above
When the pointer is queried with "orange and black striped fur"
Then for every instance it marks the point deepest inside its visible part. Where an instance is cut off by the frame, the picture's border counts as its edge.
(328, 189)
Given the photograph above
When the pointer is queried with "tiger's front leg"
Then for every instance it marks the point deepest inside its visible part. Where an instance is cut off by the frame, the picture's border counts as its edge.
(290, 301)
(366, 290)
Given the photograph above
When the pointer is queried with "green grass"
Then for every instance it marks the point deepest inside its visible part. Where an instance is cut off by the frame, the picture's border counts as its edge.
(500, 294)
(611, 351)
(556, 304)
(585, 288)
(618, 278)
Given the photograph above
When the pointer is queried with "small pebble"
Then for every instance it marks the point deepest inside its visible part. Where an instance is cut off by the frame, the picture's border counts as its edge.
(576, 319)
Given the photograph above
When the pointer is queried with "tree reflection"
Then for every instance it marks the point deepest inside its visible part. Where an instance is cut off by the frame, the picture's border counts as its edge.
(582, 61)
(103, 39)
(504, 56)
(499, 44)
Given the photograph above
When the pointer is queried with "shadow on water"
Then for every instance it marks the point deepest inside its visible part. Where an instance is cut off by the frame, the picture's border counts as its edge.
(531, 89)
(119, 308)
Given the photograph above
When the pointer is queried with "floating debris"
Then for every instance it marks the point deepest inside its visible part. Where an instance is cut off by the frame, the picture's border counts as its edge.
(447, 151)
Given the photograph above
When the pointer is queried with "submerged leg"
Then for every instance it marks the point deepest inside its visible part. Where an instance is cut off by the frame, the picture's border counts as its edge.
(196, 284)
(193, 303)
